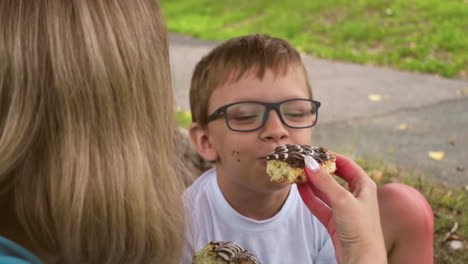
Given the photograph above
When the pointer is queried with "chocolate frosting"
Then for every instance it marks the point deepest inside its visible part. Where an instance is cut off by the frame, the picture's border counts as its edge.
(294, 154)
(233, 253)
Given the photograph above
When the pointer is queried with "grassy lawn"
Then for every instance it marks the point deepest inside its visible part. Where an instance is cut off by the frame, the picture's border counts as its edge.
(450, 204)
(415, 35)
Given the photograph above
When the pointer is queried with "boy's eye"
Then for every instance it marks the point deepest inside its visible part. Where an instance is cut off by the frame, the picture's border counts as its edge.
(298, 112)
(245, 113)
(244, 117)
(295, 114)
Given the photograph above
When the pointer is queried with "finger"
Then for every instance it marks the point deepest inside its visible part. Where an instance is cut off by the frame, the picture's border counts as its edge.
(317, 192)
(330, 190)
(352, 173)
(318, 208)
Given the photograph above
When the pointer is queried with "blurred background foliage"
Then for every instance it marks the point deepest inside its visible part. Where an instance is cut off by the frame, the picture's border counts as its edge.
(415, 35)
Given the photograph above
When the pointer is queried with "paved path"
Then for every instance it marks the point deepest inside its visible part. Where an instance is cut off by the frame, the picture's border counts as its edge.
(434, 110)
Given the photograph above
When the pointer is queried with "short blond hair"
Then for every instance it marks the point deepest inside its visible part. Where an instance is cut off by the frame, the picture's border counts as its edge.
(86, 130)
(231, 60)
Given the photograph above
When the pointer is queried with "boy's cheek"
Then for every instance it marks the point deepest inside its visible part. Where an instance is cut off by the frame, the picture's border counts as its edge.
(235, 154)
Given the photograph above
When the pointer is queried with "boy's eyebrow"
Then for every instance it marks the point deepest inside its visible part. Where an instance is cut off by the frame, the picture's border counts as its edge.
(260, 100)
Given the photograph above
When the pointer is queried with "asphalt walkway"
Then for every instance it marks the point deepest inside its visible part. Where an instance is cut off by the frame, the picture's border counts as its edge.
(375, 113)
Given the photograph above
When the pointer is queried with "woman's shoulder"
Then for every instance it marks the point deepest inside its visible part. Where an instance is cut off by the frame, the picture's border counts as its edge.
(12, 253)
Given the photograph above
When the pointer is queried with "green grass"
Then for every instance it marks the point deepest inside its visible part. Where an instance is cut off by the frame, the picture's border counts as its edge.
(449, 204)
(183, 118)
(415, 35)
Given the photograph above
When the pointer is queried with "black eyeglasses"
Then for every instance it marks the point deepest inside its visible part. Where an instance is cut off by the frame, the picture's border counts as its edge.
(249, 116)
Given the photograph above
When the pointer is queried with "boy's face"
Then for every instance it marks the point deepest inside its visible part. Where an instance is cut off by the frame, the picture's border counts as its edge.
(241, 155)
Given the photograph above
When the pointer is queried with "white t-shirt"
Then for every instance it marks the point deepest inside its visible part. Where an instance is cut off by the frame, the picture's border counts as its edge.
(293, 235)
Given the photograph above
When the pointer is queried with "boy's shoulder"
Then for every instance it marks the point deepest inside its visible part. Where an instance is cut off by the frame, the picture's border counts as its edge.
(201, 184)
(200, 196)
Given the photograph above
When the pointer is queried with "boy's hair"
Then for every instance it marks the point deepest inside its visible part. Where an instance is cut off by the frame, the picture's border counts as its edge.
(231, 60)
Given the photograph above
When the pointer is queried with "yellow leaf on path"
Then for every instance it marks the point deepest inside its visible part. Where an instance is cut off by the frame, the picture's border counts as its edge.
(376, 175)
(436, 155)
(463, 91)
(375, 97)
(402, 127)
(448, 196)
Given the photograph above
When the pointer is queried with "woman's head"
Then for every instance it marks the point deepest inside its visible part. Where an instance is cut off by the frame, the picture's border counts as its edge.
(85, 128)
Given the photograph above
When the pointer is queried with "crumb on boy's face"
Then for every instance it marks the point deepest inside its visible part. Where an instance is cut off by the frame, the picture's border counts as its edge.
(242, 162)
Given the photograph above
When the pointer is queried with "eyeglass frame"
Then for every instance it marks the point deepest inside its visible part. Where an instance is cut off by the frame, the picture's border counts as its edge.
(269, 106)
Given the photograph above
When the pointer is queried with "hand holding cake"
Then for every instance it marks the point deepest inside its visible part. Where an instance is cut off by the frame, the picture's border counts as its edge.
(351, 217)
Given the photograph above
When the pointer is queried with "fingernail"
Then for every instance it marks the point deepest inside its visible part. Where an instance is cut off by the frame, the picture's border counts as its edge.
(311, 164)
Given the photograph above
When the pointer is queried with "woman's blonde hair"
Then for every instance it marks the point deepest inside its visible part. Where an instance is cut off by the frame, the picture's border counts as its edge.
(86, 125)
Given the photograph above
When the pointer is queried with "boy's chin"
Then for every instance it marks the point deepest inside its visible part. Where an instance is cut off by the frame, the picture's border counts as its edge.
(277, 185)
(267, 178)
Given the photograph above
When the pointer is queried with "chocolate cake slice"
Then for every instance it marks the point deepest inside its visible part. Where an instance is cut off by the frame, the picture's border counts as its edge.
(286, 163)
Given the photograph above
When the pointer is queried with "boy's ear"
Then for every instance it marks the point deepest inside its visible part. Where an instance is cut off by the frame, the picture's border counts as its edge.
(202, 142)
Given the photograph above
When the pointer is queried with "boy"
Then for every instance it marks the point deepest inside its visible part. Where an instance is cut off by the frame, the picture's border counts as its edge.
(233, 92)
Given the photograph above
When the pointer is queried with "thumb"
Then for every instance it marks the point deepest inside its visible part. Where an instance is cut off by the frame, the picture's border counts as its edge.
(329, 189)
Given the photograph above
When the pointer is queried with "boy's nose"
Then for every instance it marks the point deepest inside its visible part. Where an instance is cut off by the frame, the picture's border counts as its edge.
(274, 129)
